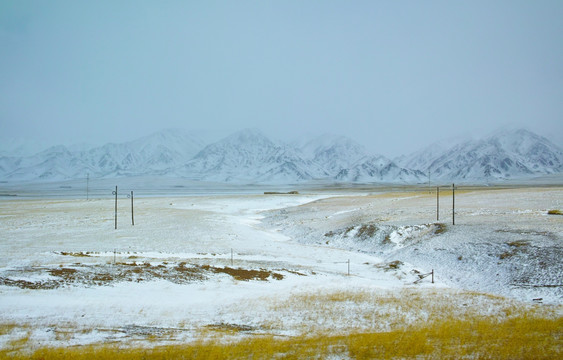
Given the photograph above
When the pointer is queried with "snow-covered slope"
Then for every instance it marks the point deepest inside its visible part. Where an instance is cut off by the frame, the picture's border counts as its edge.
(55, 163)
(334, 153)
(249, 156)
(380, 169)
(150, 155)
(423, 158)
(506, 154)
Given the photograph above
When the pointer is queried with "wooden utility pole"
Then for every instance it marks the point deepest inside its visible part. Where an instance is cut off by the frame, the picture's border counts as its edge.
(132, 218)
(115, 193)
(453, 204)
(437, 203)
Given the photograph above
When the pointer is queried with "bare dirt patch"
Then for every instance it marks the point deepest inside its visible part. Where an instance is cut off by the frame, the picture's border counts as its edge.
(390, 266)
(244, 274)
(227, 327)
(107, 274)
(76, 254)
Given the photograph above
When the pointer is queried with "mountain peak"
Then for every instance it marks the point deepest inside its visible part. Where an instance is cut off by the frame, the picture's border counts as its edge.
(248, 136)
(334, 152)
(505, 154)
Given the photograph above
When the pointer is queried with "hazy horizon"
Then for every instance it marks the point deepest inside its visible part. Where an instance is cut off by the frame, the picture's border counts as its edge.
(394, 77)
(209, 138)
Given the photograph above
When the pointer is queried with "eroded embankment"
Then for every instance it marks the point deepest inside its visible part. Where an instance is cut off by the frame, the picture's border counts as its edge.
(511, 249)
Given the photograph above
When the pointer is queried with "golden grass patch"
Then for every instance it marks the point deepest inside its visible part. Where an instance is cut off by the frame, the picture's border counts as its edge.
(378, 324)
(522, 337)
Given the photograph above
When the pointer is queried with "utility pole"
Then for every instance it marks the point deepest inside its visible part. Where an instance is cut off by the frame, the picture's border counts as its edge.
(453, 204)
(437, 203)
(87, 184)
(115, 193)
(132, 218)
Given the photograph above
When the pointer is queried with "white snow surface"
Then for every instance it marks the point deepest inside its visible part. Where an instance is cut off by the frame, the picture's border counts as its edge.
(311, 240)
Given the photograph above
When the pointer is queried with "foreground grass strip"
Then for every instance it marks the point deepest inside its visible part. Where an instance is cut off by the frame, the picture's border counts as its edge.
(485, 338)
(520, 338)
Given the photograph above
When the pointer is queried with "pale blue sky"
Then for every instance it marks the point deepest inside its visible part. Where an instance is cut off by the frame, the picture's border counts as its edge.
(393, 75)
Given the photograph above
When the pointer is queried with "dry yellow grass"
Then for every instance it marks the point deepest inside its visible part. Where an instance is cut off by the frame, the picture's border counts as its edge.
(484, 338)
(434, 323)
(383, 310)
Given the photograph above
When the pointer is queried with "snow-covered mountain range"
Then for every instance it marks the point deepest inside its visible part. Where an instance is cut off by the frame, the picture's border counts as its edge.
(248, 156)
(506, 154)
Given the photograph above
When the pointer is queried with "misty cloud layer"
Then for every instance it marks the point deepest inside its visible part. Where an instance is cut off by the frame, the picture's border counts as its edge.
(393, 76)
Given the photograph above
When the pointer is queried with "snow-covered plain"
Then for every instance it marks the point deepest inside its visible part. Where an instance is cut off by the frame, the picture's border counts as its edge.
(196, 264)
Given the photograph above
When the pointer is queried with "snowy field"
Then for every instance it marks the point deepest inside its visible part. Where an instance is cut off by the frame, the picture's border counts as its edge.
(194, 265)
